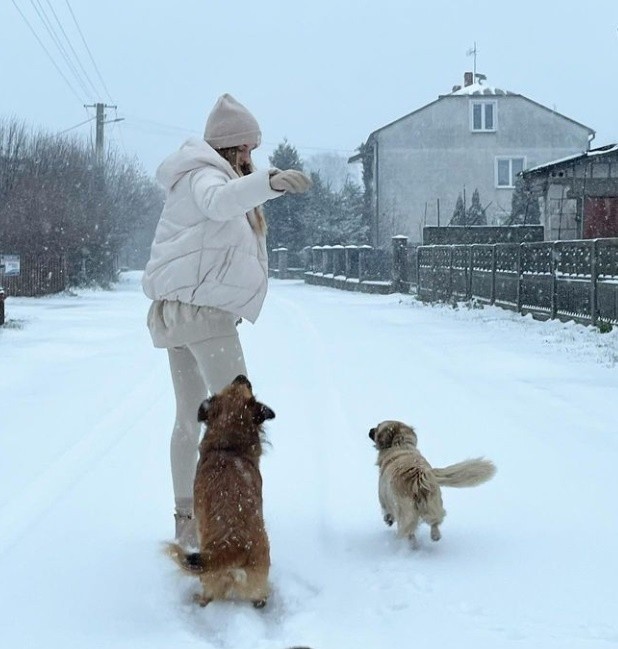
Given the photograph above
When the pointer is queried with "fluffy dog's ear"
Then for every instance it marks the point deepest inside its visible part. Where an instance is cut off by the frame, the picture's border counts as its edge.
(261, 413)
(203, 410)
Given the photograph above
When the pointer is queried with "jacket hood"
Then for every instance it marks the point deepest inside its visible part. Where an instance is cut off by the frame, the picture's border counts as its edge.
(195, 153)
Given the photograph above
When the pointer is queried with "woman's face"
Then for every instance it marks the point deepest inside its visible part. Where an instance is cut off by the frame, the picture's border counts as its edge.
(244, 151)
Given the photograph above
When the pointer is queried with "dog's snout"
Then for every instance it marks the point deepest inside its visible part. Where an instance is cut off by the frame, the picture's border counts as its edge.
(241, 379)
(372, 434)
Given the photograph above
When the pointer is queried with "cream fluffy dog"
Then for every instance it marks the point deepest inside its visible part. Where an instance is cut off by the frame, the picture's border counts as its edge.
(409, 488)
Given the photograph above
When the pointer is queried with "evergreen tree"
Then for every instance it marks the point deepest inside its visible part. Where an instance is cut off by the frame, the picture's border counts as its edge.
(286, 216)
(524, 206)
(459, 215)
(366, 153)
(319, 217)
(476, 214)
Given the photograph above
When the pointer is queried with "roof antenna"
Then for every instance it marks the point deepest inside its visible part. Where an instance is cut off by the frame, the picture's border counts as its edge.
(473, 51)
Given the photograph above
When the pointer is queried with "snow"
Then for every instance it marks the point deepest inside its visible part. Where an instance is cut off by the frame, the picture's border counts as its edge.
(527, 560)
(479, 88)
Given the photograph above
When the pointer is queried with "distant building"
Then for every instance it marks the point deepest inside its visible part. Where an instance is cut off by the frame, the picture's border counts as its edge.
(579, 194)
(476, 137)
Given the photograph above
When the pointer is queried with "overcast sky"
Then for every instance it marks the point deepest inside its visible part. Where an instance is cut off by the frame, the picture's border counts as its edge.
(322, 73)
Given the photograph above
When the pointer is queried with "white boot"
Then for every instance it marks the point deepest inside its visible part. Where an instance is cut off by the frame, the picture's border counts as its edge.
(186, 529)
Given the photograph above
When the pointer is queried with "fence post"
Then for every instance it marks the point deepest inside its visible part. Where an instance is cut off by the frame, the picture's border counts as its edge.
(282, 263)
(327, 258)
(2, 294)
(418, 270)
(594, 277)
(492, 296)
(520, 278)
(362, 270)
(471, 269)
(400, 263)
(450, 270)
(348, 259)
(554, 279)
(433, 273)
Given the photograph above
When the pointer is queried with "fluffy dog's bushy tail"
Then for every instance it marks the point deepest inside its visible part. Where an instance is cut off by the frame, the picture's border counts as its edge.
(468, 473)
(190, 562)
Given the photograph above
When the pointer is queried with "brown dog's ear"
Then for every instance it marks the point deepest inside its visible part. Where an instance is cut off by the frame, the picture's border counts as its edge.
(261, 413)
(202, 411)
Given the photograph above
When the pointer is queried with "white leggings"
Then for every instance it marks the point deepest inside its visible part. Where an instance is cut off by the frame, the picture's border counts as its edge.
(198, 369)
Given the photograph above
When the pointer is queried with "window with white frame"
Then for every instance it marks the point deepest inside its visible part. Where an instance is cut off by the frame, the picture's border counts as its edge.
(506, 170)
(483, 116)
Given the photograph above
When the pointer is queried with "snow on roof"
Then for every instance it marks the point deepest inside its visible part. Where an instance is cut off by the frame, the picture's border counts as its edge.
(480, 89)
(599, 151)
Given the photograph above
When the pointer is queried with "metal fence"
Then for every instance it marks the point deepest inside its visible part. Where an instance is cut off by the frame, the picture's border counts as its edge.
(39, 275)
(554, 279)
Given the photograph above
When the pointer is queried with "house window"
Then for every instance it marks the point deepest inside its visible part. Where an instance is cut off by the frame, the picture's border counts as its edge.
(483, 116)
(506, 171)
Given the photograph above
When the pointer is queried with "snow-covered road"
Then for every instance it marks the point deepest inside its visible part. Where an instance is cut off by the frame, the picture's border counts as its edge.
(527, 560)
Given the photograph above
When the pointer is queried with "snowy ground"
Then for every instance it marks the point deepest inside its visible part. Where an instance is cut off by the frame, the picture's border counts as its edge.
(527, 560)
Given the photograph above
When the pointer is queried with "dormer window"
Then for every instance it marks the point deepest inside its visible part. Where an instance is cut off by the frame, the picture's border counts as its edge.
(483, 116)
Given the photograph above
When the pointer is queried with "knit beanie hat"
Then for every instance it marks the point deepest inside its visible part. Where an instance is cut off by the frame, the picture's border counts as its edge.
(231, 124)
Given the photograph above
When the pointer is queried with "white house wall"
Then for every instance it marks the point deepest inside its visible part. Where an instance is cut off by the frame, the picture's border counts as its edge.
(432, 154)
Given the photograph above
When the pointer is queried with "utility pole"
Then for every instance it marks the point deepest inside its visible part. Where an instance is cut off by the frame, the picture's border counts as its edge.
(96, 252)
(99, 142)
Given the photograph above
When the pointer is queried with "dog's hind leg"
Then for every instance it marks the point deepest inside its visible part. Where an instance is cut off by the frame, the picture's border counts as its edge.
(406, 526)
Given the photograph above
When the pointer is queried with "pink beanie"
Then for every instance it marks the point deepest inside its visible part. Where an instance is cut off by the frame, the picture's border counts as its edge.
(231, 124)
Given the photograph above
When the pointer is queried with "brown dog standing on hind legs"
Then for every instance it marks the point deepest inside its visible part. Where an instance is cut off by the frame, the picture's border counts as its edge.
(409, 488)
(234, 557)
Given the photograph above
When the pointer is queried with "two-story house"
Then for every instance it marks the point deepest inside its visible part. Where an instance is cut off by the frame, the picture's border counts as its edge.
(476, 137)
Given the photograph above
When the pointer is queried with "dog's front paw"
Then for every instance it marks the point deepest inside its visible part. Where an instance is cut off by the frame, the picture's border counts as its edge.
(202, 600)
(388, 519)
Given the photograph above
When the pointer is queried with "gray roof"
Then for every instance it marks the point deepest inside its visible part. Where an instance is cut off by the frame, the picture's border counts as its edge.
(608, 149)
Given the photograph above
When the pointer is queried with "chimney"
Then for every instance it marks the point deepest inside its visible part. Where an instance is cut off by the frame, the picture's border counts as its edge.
(468, 79)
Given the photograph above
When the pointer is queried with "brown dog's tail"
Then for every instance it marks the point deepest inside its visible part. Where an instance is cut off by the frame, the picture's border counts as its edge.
(190, 562)
(468, 473)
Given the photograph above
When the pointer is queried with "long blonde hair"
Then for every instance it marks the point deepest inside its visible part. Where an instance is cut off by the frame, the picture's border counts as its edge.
(232, 155)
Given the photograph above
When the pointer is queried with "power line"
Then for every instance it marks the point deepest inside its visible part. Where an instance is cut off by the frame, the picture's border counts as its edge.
(38, 8)
(51, 58)
(159, 127)
(75, 54)
(88, 50)
(66, 130)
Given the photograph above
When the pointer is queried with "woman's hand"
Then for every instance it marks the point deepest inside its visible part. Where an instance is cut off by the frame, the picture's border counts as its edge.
(291, 181)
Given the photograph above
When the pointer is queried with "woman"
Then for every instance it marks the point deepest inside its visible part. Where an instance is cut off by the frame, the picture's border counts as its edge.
(208, 268)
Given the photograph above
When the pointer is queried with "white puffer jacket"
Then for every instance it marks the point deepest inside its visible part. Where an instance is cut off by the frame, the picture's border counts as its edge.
(206, 250)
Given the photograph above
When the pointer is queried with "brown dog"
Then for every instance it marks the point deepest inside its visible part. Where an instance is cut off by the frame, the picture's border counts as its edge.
(409, 488)
(234, 557)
